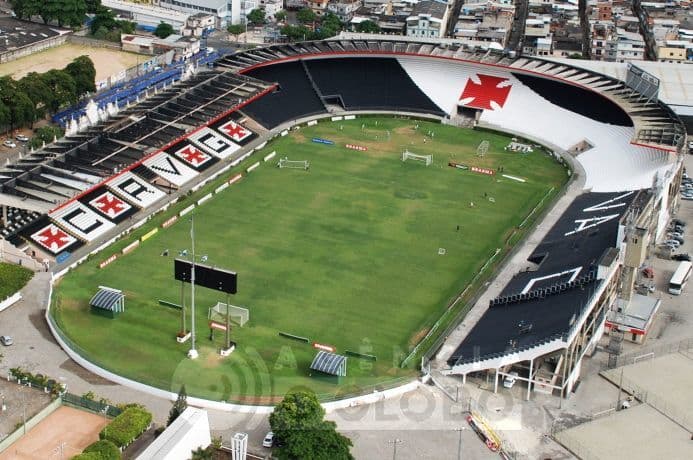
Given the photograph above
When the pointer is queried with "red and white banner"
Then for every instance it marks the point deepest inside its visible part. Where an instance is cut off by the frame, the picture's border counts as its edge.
(214, 143)
(110, 205)
(323, 347)
(193, 156)
(356, 147)
(234, 131)
(217, 325)
(108, 261)
(53, 238)
(135, 189)
(479, 170)
(235, 178)
(170, 221)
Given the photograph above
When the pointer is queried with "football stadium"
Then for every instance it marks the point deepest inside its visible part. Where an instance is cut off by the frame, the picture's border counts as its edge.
(333, 209)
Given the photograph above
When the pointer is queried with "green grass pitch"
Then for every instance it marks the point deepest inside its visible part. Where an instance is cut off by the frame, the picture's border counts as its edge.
(346, 254)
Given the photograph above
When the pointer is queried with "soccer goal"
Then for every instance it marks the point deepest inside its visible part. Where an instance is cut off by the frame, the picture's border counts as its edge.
(407, 155)
(482, 149)
(238, 315)
(294, 164)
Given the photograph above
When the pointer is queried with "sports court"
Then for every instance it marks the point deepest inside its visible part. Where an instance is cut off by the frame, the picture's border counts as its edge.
(63, 434)
(632, 434)
(663, 382)
(106, 61)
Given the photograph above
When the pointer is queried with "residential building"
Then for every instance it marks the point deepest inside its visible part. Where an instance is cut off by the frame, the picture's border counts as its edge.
(319, 7)
(428, 19)
(344, 9)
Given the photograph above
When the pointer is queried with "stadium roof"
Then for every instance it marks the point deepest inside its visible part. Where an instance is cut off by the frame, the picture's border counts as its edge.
(561, 272)
(676, 80)
(16, 34)
(329, 363)
(108, 299)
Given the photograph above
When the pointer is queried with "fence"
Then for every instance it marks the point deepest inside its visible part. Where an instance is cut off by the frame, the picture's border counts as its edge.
(92, 42)
(682, 346)
(32, 422)
(91, 405)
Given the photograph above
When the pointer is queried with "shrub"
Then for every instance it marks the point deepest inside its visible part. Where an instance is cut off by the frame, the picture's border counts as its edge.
(87, 456)
(126, 427)
(105, 449)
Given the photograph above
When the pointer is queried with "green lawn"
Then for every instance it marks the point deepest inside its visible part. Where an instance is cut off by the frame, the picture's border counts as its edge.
(12, 279)
(345, 254)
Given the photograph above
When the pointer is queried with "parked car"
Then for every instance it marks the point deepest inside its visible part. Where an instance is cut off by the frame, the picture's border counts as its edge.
(680, 222)
(269, 440)
(6, 340)
(681, 257)
(673, 243)
(21, 138)
(510, 379)
(687, 197)
(9, 143)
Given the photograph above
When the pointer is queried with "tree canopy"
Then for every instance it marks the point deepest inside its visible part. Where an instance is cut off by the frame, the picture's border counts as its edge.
(256, 16)
(179, 406)
(163, 30)
(306, 16)
(71, 13)
(235, 30)
(368, 27)
(298, 421)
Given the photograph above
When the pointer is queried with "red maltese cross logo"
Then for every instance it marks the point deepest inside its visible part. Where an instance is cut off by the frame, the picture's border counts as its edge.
(485, 92)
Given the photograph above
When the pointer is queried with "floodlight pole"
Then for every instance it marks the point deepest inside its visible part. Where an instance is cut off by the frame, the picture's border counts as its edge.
(192, 353)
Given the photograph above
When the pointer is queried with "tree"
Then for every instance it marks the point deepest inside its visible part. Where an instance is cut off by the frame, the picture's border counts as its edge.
(280, 16)
(367, 27)
(40, 94)
(235, 30)
(201, 454)
(63, 87)
(45, 134)
(298, 422)
(70, 12)
(92, 6)
(163, 30)
(330, 25)
(306, 16)
(256, 16)
(82, 70)
(295, 33)
(22, 110)
(4, 115)
(179, 406)
(103, 18)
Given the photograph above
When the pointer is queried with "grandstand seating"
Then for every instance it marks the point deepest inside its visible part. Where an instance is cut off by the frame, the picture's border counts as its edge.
(369, 83)
(295, 97)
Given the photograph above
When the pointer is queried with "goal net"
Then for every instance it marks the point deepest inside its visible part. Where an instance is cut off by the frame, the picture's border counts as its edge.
(294, 164)
(407, 155)
(482, 149)
(238, 315)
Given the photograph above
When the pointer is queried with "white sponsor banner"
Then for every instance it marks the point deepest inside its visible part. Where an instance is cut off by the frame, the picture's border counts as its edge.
(53, 238)
(167, 167)
(78, 219)
(349, 117)
(110, 205)
(234, 131)
(186, 210)
(255, 165)
(221, 187)
(336, 118)
(135, 189)
(204, 198)
(312, 122)
(269, 156)
(284, 133)
(214, 143)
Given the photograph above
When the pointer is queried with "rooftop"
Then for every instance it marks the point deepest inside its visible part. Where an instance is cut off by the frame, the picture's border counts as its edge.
(15, 34)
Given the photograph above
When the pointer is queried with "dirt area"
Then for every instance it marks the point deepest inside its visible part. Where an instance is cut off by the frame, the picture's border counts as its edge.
(636, 433)
(107, 62)
(19, 401)
(63, 434)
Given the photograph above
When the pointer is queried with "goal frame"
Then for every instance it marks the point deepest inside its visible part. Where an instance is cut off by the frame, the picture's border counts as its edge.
(293, 164)
(237, 315)
(426, 159)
